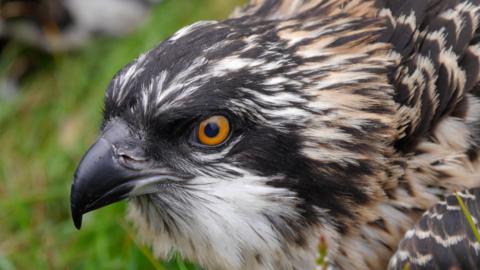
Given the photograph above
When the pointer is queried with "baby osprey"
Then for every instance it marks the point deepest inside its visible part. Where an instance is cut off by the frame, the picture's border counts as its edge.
(242, 143)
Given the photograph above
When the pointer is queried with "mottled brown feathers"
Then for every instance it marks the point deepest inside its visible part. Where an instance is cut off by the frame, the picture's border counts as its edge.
(437, 60)
(431, 54)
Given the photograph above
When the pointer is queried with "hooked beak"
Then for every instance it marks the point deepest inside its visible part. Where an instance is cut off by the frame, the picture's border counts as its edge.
(114, 168)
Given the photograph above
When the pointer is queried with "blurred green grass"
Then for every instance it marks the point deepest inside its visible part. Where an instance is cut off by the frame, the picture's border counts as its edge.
(43, 134)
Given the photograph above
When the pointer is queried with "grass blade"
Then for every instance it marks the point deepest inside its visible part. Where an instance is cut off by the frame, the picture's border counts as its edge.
(181, 265)
(145, 251)
(468, 216)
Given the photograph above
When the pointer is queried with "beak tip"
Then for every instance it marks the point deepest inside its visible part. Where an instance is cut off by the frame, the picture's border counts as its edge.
(76, 212)
(77, 221)
(76, 217)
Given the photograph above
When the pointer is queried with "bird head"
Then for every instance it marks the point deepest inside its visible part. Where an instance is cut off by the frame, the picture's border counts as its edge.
(234, 139)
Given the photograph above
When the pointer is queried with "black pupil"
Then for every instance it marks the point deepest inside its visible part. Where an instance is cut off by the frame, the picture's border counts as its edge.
(212, 130)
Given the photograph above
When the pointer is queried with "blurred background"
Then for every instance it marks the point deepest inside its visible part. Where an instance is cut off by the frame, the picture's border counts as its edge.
(56, 59)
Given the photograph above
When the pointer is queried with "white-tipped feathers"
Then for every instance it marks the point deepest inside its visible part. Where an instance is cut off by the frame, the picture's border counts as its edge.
(442, 238)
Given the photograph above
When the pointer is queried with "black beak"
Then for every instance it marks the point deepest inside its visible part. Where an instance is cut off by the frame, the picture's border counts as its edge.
(104, 175)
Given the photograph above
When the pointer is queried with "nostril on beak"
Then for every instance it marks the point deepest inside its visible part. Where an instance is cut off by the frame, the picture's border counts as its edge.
(131, 158)
(133, 162)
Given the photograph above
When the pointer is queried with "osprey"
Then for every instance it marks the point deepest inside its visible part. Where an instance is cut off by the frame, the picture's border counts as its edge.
(242, 143)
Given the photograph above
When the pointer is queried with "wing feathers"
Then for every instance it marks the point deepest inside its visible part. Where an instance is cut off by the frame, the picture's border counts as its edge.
(442, 238)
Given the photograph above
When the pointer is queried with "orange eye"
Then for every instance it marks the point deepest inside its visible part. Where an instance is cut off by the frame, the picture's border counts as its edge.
(213, 131)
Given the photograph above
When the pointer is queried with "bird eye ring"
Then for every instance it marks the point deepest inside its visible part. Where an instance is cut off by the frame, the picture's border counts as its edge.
(213, 130)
